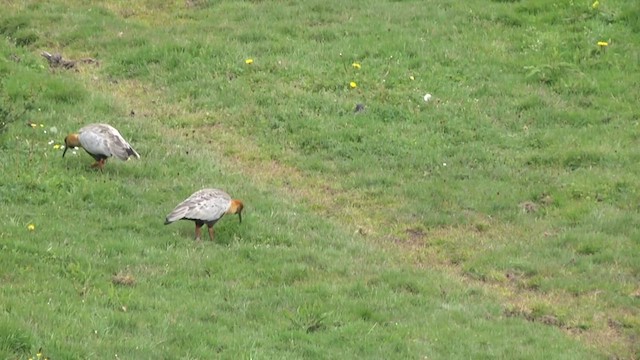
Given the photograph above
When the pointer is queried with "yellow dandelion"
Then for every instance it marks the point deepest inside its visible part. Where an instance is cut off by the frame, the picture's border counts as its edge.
(33, 125)
(31, 227)
(356, 65)
(595, 4)
(411, 77)
(248, 61)
(39, 354)
(56, 146)
(603, 43)
(353, 85)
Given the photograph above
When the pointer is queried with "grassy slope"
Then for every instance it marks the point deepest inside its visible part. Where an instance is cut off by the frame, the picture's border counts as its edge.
(527, 108)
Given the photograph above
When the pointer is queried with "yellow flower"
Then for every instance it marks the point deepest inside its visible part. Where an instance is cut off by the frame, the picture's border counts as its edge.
(33, 125)
(595, 4)
(248, 61)
(353, 85)
(39, 354)
(411, 77)
(56, 146)
(603, 43)
(356, 65)
(31, 227)
(41, 125)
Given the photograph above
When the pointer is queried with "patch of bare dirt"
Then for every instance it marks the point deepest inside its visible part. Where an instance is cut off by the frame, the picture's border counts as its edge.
(56, 61)
(541, 201)
(123, 279)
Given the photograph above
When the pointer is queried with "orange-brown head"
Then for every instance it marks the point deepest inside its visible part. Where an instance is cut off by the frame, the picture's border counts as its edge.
(236, 208)
(71, 140)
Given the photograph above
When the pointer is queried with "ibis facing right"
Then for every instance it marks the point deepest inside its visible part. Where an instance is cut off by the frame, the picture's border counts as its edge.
(205, 206)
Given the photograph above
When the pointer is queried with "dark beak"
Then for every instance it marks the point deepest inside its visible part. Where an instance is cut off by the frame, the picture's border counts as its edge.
(65, 150)
(240, 217)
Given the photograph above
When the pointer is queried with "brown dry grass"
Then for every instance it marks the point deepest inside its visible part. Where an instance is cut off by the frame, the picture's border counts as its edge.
(242, 155)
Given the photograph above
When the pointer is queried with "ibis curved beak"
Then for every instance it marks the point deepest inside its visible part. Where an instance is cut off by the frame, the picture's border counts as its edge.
(65, 150)
(240, 217)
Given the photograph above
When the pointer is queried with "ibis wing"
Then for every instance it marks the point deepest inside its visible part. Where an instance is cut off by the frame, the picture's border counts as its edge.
(120, 148)
(94, 143)
(106, 140)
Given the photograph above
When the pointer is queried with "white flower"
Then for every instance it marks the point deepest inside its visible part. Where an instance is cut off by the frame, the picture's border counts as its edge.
(50, 142)
(427, 97)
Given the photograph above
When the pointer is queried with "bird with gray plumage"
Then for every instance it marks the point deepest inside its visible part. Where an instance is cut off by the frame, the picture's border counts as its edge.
(101, 141)
(205, 206)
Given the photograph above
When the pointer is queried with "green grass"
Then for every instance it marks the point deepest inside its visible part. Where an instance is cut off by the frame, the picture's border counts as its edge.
(498, 220)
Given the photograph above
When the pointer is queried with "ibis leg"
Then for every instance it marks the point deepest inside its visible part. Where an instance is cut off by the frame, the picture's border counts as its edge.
(198, 227)
(99, 164)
